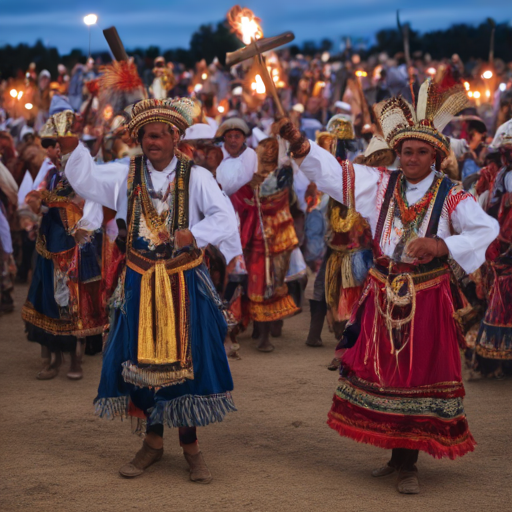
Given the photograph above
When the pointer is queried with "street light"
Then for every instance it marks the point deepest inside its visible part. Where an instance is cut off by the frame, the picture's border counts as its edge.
(89, 20)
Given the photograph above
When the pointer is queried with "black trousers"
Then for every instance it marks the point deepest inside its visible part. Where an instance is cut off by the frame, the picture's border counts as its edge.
(402, 458)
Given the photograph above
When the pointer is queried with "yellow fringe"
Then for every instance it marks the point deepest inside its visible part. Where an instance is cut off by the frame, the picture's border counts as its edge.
(333, 279)
(162, 349)
(275, 310)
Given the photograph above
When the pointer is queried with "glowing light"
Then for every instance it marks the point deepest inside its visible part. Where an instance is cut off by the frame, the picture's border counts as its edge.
(198, 87)
(204, 76)
(503, 87)
(325, 57)
(280, 84)
(476, 94)
(20, 94)
(487, 74)
(249, 29)
(221, 109)
(245, 24)
(361, 73)
(275, 78)
(275, 72)
(90, 19)
(431, 71)
(108, 112)
(258, 86)
(488, 93)
(470, 94)
(13, 93)
(29, 106)
(466, 86)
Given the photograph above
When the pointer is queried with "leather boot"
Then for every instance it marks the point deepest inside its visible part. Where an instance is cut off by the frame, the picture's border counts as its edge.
(142, 460)
(264, 344)
(199, 471)
(75, 368)
(318, 311)
(276, 328)
(52, 370)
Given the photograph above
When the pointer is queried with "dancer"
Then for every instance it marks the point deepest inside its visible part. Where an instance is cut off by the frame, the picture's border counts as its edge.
(400, 382)
(164, 361)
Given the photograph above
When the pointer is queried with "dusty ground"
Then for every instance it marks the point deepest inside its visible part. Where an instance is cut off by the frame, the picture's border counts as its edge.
(275, 454)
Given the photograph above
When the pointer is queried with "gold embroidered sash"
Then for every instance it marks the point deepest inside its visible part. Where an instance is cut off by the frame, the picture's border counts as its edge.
(163, 332)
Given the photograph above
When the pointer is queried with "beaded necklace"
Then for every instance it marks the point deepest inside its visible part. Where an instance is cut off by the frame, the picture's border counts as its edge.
(412, 216)
(159, 223)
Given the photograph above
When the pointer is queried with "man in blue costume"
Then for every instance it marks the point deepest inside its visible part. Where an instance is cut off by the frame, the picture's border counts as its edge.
(164, 361)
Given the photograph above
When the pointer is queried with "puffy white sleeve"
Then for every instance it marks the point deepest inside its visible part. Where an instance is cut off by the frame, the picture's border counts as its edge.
(508, 181)
(323, 168)
(5, 233)
(212, 216)
(105, 184)
(233, 173)
(475, 230)
(92, 217)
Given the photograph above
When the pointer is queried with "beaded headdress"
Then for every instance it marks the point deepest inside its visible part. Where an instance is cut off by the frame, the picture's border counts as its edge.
(438, 102)
(178, 112)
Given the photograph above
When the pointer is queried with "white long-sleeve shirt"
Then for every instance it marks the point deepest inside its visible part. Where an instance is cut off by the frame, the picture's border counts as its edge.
(210, 217)
(233, 173)
(5, 233)
(474, 229)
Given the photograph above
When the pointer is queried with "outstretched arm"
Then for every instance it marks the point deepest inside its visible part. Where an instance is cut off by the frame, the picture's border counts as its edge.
(104, 184)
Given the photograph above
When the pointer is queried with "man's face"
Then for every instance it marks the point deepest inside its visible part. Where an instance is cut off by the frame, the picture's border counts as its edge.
(416, 158)
(158, 144)
(53, 153)
(233, 142)
(506, 155)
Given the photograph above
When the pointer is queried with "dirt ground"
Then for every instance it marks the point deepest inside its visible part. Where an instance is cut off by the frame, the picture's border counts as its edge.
(275, 454)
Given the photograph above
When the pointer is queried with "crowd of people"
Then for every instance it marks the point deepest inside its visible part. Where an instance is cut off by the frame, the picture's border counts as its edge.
(157, 213)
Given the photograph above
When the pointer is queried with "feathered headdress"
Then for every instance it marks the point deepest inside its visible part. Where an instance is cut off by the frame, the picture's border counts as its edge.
(178, 112)
(438, 102)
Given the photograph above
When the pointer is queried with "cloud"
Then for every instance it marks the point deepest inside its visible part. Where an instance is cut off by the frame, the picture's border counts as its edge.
(170, 24)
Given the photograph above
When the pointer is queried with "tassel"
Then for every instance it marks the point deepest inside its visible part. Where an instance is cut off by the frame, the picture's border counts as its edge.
(146, 344)
(163, 349)
(166, 346)
(333, 279)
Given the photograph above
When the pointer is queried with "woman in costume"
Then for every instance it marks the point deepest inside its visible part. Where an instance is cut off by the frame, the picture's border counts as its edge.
(164, 361)
(64, 303)
(400, 383)
(268, 240)
(493, 351)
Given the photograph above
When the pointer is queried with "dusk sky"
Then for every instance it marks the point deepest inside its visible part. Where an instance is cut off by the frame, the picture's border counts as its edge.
(170, 23)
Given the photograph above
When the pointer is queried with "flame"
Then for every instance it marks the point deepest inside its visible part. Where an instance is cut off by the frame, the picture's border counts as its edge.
(244, 24)
(258, 86)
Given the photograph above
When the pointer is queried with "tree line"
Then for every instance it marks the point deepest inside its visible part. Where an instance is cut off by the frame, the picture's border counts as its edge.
(214, 40)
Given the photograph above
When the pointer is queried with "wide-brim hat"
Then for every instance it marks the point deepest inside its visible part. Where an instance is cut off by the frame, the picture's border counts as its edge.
(234, 123)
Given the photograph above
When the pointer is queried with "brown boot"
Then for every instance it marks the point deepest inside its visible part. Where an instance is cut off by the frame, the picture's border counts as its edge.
(383, 471)
(408, 482)
(142, 460)
(52, 370)
(75, 368)
(318, 311)
(276, 328)
(264, 344)
(199, 471)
